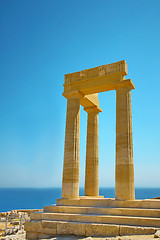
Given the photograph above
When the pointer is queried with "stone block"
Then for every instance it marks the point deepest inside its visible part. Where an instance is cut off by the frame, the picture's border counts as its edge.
(36, 215)
(39, 227)
(109, 202)
(102, 230)
(157, 234)
(31, 236)
(100, 71)
(70, 228)
(49, 224)
(33, 226)
(35, 236)
(134, 230)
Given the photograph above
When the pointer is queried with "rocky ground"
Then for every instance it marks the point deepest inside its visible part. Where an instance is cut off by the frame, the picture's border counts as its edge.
(12, 224)
(140, 237)
(21, 236)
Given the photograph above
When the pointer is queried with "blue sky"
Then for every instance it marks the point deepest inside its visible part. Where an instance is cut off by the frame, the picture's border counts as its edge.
(40, 41)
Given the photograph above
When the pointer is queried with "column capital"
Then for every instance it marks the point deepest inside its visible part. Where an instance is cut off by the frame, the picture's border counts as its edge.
(94, 109)
(123, 90)
(125, 85)
(73, 94)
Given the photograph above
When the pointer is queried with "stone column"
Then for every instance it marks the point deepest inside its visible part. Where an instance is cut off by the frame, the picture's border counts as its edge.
(124, 179)
(92, 153)
(70, 182)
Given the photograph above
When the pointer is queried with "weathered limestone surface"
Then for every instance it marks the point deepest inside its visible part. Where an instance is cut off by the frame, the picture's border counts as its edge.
(100, 71)
(102, 230)
(116, 211)
(147, 204)
(38, 227)
(157, 234)
(124, 184)
(134, 230)
(47, 228)
(71, 228)
(100, 218)
(86, 101)
(35, 236)
(70, 184)
(100, 79)
(92, 153)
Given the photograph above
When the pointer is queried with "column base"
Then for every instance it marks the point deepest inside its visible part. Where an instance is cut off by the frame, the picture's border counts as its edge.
(109, 202)
(90, 197)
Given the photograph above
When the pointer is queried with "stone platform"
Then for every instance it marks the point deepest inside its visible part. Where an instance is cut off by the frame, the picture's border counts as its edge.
(95, 217)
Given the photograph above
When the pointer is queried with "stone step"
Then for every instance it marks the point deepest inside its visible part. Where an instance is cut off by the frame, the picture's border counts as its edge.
(111, 203)
(48, 228)
(104, 211)
(109, 219)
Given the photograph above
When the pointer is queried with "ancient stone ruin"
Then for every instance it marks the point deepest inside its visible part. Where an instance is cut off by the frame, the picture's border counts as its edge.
(82, 88)
(94, 215)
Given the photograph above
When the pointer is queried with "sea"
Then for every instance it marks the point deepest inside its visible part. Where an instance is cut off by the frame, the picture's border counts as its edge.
(37, 198)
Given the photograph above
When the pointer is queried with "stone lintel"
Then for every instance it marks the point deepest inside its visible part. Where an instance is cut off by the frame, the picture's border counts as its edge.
(85, 100)
(92, 109)
(99, 84)
(100, 71)
(127, 84)
(73, 94)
